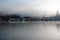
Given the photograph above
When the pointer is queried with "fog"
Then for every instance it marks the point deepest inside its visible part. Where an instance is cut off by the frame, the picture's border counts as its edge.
(30, 7)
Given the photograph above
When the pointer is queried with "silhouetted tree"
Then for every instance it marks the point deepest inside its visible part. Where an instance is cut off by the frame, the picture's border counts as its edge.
(15, 17)
(27, 18)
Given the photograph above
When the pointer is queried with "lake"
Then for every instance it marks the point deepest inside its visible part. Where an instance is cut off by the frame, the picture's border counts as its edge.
(30, 31)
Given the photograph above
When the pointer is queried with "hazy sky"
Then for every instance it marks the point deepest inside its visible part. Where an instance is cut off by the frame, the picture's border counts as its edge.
(30, 6)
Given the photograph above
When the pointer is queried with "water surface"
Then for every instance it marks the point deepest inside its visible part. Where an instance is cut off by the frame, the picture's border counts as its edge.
(30, 31)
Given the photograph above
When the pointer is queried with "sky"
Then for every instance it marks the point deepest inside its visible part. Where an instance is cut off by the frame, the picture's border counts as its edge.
(30, 7)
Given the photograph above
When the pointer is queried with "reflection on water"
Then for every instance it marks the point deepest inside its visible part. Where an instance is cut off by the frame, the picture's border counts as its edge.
(30, 31)
(58, 27)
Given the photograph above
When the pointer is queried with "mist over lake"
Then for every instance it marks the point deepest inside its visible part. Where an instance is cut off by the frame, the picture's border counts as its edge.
(29, 19)
(30, 31)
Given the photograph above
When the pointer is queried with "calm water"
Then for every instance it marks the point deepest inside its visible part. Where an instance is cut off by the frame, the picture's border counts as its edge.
(30, 31)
